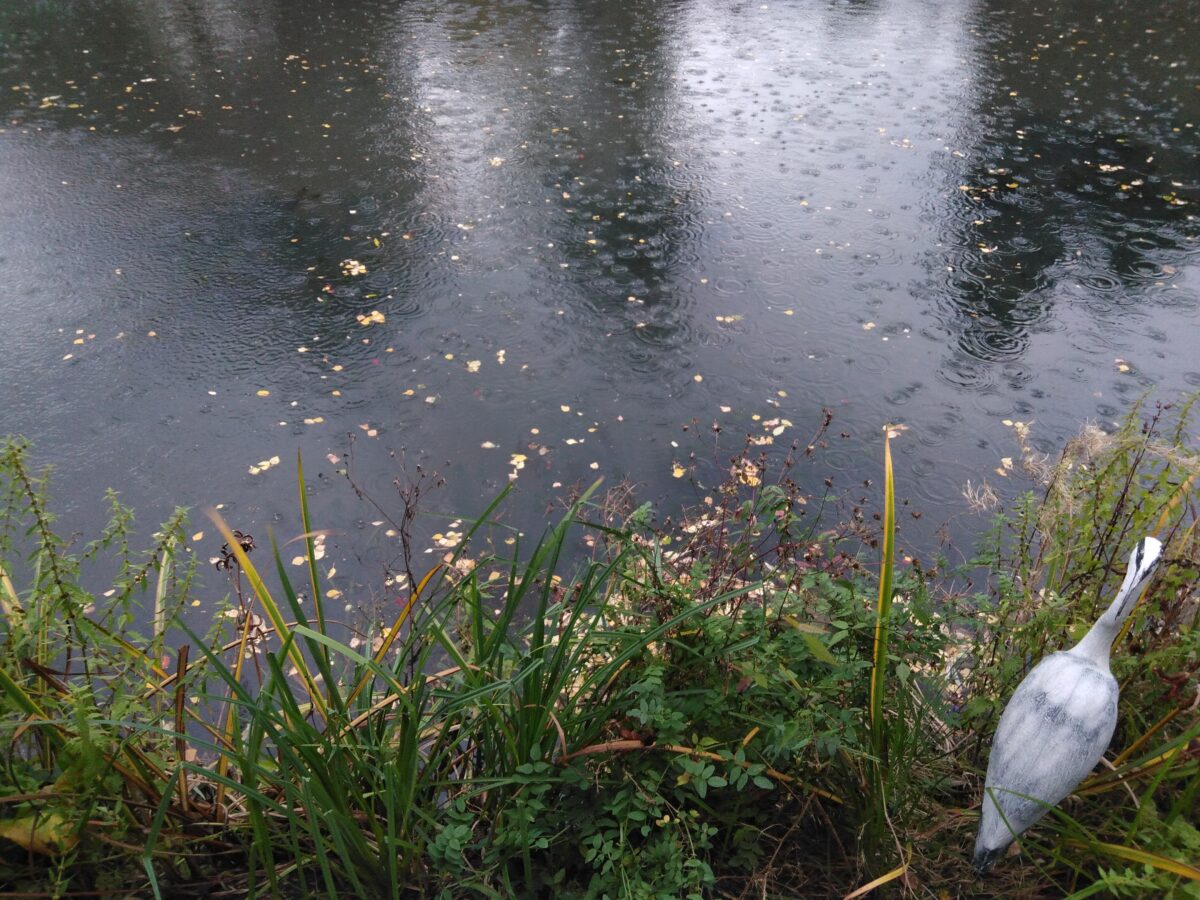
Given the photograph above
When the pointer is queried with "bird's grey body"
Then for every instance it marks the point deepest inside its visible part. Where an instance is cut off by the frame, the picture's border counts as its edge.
(1057, 724)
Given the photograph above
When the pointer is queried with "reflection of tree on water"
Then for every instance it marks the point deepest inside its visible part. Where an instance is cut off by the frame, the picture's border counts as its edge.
(629, 196)
(275, 106)
(276, 85)
(1070, 182)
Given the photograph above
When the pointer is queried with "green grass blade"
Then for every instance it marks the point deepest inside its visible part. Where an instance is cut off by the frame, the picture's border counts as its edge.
(310, 545)
(271, 608)
(883, 608)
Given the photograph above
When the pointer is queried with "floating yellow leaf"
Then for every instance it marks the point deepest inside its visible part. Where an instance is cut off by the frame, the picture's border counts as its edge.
(353, 267)
(677, 470)
(263, 393)
(374, 317)
(746, 472)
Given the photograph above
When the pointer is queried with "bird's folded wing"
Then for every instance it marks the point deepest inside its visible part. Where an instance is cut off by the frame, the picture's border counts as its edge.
(1053, 732)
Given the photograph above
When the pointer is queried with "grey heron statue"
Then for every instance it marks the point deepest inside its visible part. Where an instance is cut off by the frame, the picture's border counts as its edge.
(1057, 724)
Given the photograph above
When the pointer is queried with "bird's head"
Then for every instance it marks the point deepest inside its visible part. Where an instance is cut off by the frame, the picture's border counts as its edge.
(1142, 562)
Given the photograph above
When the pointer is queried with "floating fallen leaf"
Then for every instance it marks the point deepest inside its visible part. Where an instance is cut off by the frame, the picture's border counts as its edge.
(374, 317)
(262, 393)
(677, 470)
(353, 267)
(867, 326)
(473, 365)
(198, 536)
(746, 472)
(449, 539)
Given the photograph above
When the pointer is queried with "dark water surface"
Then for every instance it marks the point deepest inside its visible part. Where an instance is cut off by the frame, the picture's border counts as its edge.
(579, 226)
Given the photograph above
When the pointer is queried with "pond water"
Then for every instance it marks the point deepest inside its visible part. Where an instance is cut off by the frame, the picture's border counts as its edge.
(567, 231)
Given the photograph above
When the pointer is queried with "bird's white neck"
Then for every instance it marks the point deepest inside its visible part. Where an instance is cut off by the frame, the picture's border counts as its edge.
(1097, 643)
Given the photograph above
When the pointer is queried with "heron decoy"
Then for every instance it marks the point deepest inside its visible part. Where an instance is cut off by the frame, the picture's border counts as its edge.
(1057, 724)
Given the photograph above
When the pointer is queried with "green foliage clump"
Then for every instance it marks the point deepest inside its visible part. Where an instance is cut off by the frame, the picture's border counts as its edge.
(728, 704)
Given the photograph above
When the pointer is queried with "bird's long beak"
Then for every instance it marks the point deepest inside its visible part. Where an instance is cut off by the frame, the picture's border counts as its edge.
(1142, 563)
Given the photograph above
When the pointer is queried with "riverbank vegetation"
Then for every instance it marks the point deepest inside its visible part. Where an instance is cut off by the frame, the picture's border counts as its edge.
(750, 701)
